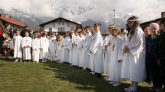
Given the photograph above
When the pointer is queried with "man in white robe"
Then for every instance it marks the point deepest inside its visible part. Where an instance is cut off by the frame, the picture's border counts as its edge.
(17, 46)
(26, 46)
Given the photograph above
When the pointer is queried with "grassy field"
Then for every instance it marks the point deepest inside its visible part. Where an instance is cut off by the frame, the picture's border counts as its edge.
(51, 77)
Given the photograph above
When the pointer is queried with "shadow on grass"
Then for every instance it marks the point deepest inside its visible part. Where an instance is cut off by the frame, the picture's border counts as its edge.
(84, 80)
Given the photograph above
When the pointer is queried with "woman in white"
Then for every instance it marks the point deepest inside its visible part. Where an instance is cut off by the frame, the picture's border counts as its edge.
(26, 45)
(116, 57)
(36, 47)
(136, 53)
(44, 45)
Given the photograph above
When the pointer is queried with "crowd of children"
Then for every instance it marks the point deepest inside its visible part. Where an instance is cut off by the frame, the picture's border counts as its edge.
(122, 55)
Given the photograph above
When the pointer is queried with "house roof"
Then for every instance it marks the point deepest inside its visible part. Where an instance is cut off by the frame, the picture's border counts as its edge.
(60, 18)
(12, 21)
(151, 21)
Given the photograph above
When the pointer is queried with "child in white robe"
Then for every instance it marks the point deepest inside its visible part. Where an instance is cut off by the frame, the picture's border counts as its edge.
(80, 46)
(36, 47)
(26, 46)
(88, 41)
(116, 57)
(75, 50)
(44, 45)
(97, 50)
(17, 46)
(52, 47)
(66, 46)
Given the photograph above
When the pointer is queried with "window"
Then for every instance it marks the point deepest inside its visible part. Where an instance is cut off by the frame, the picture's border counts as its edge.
(50, 29)
(61, 29)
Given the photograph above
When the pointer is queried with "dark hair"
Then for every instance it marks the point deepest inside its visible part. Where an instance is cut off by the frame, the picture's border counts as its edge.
(135, 20)
(162, 21)
(43, 34)
(97, 24)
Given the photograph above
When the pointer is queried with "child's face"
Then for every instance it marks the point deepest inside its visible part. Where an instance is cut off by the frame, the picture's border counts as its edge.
(97, 28)
(17, 32)
(147, 31)
(26, 34)
(114, 32)
(110, 30)
(36, 34)
(8, 38)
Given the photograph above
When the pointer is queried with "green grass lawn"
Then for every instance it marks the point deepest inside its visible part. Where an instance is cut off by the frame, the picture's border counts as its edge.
(51, 77)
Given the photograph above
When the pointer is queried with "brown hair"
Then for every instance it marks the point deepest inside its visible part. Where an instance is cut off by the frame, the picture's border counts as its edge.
(135, 20)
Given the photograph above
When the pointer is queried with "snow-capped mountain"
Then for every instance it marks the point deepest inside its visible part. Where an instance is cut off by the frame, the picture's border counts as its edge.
(23, 17)
(66, 12)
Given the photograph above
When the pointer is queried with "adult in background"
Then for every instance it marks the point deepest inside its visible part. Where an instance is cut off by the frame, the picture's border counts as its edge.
(152, 67)
(161, 51)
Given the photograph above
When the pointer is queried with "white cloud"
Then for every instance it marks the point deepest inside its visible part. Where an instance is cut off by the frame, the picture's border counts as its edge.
(101, 9)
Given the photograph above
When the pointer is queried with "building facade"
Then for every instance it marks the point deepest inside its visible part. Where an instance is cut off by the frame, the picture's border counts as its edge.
(59, 25)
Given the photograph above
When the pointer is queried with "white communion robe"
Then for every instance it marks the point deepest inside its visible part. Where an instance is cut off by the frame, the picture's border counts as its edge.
(44, 44)
(136, 57)
(17, 46)
(59, 51)
(36, 49)
(91, 56)
(75, 52)
(116, 54)
(109, 50)
(80, 46)
(26, 45)
(88, 41)
(97, 51)
(72, 46)
(66, 46)
(126, 64)
(105, 55)
(52, 48)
